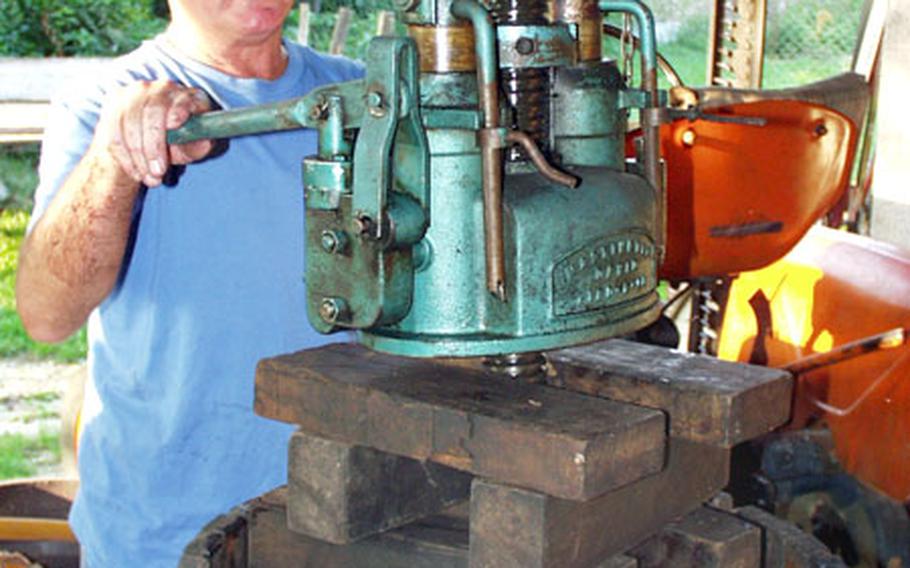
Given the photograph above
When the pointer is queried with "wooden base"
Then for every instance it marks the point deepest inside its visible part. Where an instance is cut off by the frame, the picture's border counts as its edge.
(255, 535)
(558, 478)
(550, 440)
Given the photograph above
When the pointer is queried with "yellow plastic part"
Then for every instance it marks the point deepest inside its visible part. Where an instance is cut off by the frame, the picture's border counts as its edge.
(35, 529)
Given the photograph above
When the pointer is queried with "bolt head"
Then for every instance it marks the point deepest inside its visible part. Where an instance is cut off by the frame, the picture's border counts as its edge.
(329, 242)
(363, 225)
(331, 309)
(376, 104)
(374, 99)
(525, 46)
(333, 242)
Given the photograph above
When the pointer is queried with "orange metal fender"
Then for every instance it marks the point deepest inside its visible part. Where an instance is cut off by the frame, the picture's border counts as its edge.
(740, 196)
(834, 288)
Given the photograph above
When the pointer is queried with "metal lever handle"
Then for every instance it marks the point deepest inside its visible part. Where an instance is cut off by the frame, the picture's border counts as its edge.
(285, 115)
(698, 114)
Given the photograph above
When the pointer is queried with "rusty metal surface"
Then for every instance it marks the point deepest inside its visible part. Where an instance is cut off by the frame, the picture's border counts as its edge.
(517, 527)
(342, 493)
(540, 162)
(554, 441)
(871, 344)
(785, 545)
(708, 400)
(704, 538)
(587, 16)
(444, 49)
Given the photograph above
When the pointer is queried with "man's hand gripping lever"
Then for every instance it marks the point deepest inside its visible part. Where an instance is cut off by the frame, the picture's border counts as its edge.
(132, 130)
(71, 258)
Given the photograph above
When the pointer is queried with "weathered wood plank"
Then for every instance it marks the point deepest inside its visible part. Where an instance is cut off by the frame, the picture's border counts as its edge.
(435, 542)
(705, 538)
(708, 400)
(342, 493)
(41, 78)
(553, 441)
(619, 561)
(518, 527)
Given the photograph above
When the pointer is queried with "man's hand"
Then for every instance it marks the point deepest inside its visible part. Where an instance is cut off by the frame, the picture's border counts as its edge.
(70, 261)
(132, 129)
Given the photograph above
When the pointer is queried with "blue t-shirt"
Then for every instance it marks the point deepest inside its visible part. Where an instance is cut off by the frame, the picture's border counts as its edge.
(211, 284)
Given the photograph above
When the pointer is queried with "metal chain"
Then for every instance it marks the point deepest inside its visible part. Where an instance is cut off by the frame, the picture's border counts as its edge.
(627, 49)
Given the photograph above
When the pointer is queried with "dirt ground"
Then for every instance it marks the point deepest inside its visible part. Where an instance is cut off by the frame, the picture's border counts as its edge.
(33, 397)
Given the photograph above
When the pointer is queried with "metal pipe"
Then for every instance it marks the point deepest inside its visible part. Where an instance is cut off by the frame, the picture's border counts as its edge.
(665, 66)
(489, 139)
(540, 162)
(650, 116)
(887, 340)
(331, 135)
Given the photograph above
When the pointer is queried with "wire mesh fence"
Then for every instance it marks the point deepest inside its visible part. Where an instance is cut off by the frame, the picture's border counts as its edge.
(805, 40)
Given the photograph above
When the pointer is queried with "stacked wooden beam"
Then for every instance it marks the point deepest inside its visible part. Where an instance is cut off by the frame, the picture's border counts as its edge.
(610, 469)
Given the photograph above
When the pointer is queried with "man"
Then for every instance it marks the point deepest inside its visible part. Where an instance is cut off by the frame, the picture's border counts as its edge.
(187, 275)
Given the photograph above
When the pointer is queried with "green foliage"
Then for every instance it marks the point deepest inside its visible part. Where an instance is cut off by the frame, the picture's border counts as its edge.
(359, 6)
(19, 454)
(362, 30)
(687, 53)
(75, 27)
(13, 339)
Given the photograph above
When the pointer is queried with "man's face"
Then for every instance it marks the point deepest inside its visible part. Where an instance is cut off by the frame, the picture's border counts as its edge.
(240, 20)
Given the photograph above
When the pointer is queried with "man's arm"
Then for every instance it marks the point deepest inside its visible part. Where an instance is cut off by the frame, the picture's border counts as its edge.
(72, 257)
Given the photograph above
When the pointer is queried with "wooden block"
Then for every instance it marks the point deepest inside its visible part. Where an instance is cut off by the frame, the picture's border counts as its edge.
(619, 561)
(708, 400)
(553, 441)
(785, 545)
(436, 542)
(517, 527)
(342, 493)
(705, 538)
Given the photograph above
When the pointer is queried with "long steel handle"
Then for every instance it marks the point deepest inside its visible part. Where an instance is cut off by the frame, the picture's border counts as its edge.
(285, 115)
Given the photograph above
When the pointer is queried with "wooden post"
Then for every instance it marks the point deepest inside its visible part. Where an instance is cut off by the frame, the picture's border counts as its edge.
(385, 23)
(303, 27)
(736, 43)
(342, 493)
(340, 32)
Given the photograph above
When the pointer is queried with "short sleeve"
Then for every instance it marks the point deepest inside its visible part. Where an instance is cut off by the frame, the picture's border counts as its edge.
(70, 128)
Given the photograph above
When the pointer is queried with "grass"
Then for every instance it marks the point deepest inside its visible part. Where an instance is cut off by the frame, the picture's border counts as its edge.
(18, 172)
(13, 339)
(41, 397)
(21, 456)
